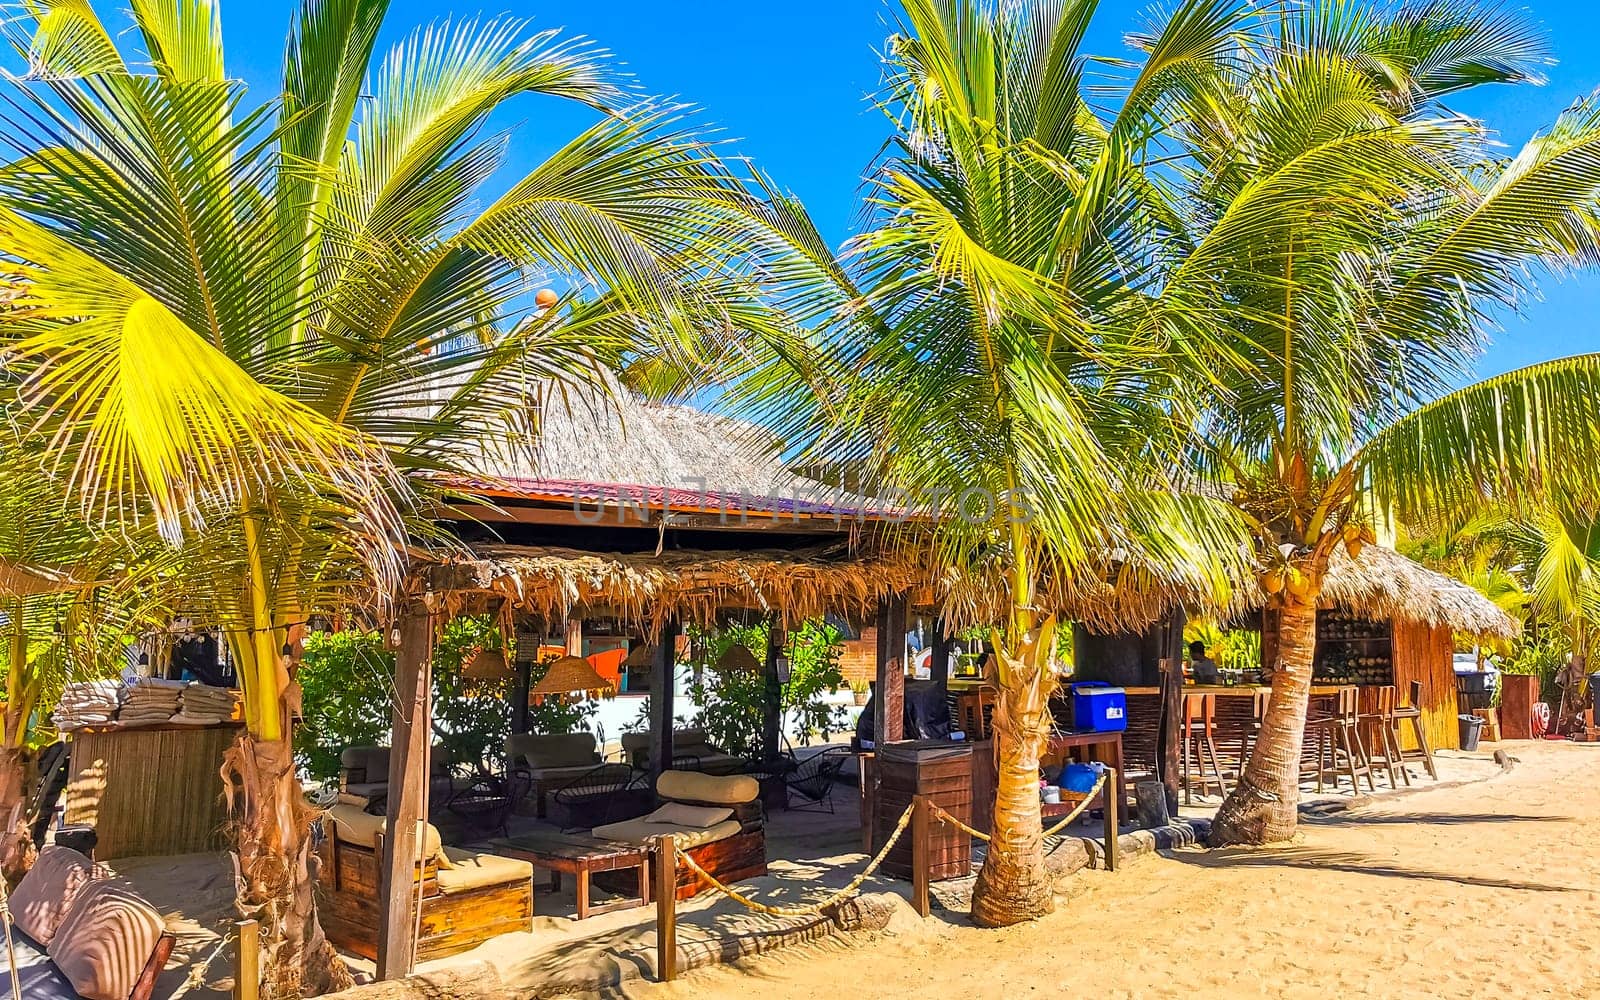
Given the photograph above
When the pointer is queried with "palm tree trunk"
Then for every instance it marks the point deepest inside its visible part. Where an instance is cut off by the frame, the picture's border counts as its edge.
(1262, 807)
(1013, 884)
(16, 836)
(277, 869)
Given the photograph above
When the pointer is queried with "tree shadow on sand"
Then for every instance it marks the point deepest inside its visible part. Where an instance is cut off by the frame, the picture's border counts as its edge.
(1345, 861)
(1353, 818)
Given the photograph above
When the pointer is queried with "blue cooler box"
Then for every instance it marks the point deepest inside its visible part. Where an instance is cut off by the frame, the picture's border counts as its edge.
(1097, 707)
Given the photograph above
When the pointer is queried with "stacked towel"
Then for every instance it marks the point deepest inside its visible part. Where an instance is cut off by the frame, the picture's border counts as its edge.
(87, 703)
(204, 705)
(150, 700)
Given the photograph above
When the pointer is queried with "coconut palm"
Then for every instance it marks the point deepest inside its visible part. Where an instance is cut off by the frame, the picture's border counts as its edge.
(1346, 240)
(68, 598)
(244, 324)
(985, 359)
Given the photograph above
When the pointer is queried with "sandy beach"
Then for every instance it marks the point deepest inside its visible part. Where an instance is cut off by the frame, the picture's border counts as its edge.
(1487, 889)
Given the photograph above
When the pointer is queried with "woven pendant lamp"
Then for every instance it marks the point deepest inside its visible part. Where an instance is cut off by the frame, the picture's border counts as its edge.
(737, 659)
(642, 655)
(488, 664)
(569, 675)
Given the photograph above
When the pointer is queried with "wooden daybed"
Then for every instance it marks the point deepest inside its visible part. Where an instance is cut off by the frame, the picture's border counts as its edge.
(467, 898)
(731, 848)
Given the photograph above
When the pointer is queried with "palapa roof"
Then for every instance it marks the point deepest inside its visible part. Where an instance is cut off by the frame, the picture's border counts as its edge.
(646, 588)
(591, 445)
(1385, 584)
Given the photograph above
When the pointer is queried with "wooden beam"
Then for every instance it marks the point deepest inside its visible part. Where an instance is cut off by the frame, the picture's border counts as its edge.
(661, 695)
(519, 696)
(772, 692)
(407, 797)
(939, 662)
(888, 705)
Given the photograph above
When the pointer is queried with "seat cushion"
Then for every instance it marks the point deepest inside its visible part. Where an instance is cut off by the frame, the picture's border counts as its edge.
(353, 826)
(680, 814)
(558, 750)
(717, 789)
(640, 831)
(469, 870)
(106, 941)
(41, 900)
(36, 974)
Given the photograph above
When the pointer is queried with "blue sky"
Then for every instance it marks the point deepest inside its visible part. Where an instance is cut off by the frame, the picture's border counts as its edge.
(788, 83)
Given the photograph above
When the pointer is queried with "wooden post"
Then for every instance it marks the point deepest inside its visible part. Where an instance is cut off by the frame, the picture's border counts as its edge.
(889, 711)
(519, 696)
(247, 978)
(939, 662)
(919, 855)
(661, 693)
(1113, 803)
(574, 637)
(666, 908)
(408, 796)
(772, 692)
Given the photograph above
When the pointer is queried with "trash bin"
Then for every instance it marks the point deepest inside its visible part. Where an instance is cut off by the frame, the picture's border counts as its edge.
(1471, 727)
(1594, 695)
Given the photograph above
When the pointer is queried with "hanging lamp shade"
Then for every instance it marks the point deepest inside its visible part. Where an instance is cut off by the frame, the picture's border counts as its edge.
(487, 665)
(642, 655)
(738, 659)
(569, 675)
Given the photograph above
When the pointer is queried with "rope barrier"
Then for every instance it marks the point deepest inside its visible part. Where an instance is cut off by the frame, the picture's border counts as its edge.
(1077, 811)
(813, 908)
(872, 866)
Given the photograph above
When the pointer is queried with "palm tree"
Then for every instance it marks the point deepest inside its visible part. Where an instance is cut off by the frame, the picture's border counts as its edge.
(1345, 240)
(67, 598)
(984, 358)
(244, 324)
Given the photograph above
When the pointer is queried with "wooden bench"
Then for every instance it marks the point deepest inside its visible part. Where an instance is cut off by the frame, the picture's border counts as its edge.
(467, 898)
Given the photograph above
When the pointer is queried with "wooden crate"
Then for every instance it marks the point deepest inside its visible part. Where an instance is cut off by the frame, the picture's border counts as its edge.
(941, 771)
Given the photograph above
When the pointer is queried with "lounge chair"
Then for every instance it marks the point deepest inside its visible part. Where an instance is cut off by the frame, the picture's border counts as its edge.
(78, 936)
(364, 774)
(551, 761)
(691, 751)
(601, 795)
(467, 898)
(716, 819)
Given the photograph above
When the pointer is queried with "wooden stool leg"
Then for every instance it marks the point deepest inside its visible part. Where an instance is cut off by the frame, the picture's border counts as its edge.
(1427, 751)
(1391, 736)
(1216, 765)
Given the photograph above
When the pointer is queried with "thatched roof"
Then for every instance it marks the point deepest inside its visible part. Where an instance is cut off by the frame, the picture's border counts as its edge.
(1383, 584)
(590, 444)
(646, 588)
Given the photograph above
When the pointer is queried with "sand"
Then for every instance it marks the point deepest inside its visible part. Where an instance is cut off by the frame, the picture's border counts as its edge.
(1486, 889)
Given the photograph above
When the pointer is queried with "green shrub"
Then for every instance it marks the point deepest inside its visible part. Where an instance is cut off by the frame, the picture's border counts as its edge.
(732, 702)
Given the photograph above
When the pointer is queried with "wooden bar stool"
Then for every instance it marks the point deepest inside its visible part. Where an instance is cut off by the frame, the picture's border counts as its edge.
(1347, 739)
(1316, 744)
(1378, 732)
(1199, 745)
(1413, 714)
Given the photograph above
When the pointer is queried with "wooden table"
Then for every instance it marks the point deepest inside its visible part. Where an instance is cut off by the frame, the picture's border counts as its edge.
(581, 856)
(1103, 747)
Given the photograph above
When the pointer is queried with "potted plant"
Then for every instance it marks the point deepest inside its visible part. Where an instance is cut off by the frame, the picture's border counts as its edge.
(861, 690)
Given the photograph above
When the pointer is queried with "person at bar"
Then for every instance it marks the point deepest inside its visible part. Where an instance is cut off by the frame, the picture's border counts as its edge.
(1203, 668)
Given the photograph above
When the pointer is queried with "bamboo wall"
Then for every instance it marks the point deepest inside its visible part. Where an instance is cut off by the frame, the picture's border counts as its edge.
(1426, 654)
(156, 790)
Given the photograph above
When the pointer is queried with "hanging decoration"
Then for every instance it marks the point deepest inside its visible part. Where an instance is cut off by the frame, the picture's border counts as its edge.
(570, 675)
(487, 664)
(737, 659)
